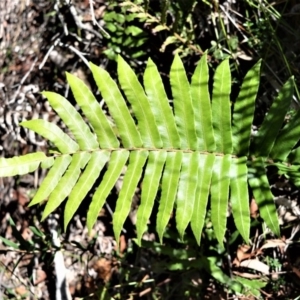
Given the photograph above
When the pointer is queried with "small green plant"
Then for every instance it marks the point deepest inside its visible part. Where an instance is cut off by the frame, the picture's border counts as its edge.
(179, 32)
(126, 37)
(199, 147)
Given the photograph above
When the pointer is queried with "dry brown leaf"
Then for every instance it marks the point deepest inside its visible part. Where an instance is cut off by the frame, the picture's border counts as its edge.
(242, 252)
(247, 275)
(273, 244)
(40, 276)
(103, 268)
(122, 244)
(256, 265)
(21, 290)
(253, 209)
(296, 271)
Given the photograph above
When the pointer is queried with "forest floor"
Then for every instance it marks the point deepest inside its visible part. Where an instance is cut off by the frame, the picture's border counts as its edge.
(34, 54)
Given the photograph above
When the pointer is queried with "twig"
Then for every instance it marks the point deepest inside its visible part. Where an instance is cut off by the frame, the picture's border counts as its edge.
(104, 32)
(56, 42)
(80, 25)
(62, 287)
(76, 52)
(23, 81)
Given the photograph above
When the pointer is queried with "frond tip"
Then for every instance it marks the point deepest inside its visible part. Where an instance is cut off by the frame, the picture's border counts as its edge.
(180, 154)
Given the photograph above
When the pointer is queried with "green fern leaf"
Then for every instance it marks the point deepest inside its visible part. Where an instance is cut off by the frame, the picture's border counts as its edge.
(244, 111)
(85, 183)
(294, 156)
(205, 169)
(117, 162)
(133, 174)
(52, 179)
(81, 131)
(287, 139)
(202, 107)
(118, 109)
(153, 172)
(263, 142)
(52, 133)
(262, 194)
(221, 108)
(21, 165)
(239, 196)
(94, 113)
(140, 105)
(161, 109)
(169, 187)
(184, 157)
(186, 190)
(219, 195)
(66, 183)
(183, 106)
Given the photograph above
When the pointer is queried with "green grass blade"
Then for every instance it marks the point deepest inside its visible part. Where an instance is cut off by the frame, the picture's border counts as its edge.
(243, 113)
(259, 184)
(67, 112)
(117, 162)
(20, 165)
(117, 107)
(239, 196)
(151, 181)
(205, 168)
(161, 109)
(85, 183)
(186, 191)
(287, 139)
(132, 176)
(66, 183)
(53, 177)
(93, 111)
(53, 133)
(264, 140)
(202, 106)
(170, 180)
(219, 195)
(140, 105)
(184, 111)
(221, 110)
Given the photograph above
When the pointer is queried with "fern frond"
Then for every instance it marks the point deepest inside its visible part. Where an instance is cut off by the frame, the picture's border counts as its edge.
(243, 112)
(221, 108)
(52, 179)
(161, 109)
(117, 162)
(182, 153)
(73, 120)
(205, 169)
(239, 198)
(219, 194)
(202, 107)
(169, 187)
(259, 184)
(66, 182)
(21, 165)
(186, 190)
(183, 106)
(264, 141)
(118, 109)
(92, 110)
(140, 105)
(52, 133)
(85, 183)
(153, 173)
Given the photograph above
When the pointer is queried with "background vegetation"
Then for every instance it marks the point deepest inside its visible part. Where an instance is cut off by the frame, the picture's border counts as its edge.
(58, 36)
